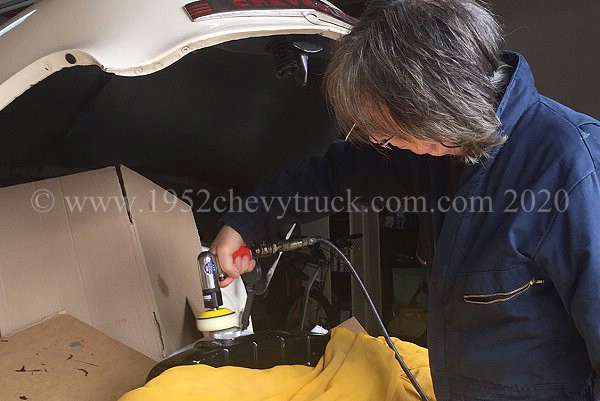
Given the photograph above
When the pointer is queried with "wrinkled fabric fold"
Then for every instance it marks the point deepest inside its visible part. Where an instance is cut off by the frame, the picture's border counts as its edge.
(355, 366)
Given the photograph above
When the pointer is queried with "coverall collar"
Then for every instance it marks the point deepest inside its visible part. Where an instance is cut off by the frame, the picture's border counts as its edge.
(520, 93)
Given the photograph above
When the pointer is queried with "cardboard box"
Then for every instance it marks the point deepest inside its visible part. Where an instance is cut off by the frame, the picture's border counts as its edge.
(353, 325)
(64, 359)
(111, 248)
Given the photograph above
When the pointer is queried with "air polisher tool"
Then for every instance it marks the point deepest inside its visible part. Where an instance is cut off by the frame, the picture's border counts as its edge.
(222, 323)
(215, 319)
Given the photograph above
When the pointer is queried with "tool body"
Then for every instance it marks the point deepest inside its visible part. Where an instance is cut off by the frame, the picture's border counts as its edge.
(210, 275)
(216, 319)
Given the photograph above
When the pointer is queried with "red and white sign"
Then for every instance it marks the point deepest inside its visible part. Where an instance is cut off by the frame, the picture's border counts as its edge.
(203, 8)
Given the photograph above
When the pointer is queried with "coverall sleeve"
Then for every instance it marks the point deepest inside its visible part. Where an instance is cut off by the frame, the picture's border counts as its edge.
(363, 171)
(570, 253)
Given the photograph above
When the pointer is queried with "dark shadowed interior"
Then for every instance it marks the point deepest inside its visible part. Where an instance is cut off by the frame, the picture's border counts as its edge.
(217, 119)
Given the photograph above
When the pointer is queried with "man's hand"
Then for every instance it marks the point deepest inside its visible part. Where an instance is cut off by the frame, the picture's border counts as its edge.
(224, 246)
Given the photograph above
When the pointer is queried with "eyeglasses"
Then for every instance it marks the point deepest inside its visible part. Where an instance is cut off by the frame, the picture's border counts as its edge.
(385, 143)
(350, 132)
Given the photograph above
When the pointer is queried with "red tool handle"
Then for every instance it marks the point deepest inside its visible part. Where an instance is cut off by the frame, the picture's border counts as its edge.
(243, 251)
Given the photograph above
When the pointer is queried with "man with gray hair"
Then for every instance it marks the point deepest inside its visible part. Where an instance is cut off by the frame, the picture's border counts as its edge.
(434, 108)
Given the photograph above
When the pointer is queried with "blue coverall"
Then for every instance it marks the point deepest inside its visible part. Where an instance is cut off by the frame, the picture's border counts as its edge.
(514, 290)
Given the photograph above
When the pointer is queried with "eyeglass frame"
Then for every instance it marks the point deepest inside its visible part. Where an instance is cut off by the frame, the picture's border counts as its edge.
(385, 143)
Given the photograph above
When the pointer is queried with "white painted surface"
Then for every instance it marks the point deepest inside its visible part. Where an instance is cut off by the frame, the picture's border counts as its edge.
(134, 37)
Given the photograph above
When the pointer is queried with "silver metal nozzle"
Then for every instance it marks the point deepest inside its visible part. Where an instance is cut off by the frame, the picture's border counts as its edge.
(265, 249)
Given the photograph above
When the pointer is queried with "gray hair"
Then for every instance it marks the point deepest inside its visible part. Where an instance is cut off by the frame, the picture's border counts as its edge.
(421, 69)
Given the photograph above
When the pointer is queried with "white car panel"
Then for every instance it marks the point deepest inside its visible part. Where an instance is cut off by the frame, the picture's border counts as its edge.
(132, 37)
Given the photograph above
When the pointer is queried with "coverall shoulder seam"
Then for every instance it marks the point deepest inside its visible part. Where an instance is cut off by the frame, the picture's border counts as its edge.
(583, 134)
(575, 126)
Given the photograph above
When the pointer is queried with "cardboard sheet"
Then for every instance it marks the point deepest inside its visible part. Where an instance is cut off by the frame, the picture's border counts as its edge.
(64, 359)
(125, 265)
(81, 260)
(353, 325)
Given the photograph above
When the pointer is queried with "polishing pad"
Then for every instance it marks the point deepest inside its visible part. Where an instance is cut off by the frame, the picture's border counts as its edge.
(217, 319)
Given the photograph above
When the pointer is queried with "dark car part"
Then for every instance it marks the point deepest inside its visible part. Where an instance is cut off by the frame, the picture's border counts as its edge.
(257, 351)
(291, 57)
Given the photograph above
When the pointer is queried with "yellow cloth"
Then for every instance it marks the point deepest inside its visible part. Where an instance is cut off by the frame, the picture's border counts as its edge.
(354, 367)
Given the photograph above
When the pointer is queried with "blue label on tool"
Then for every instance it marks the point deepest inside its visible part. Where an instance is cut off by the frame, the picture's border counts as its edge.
(210, 267)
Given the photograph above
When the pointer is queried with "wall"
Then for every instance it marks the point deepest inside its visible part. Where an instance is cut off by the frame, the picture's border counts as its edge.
(561, 41)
